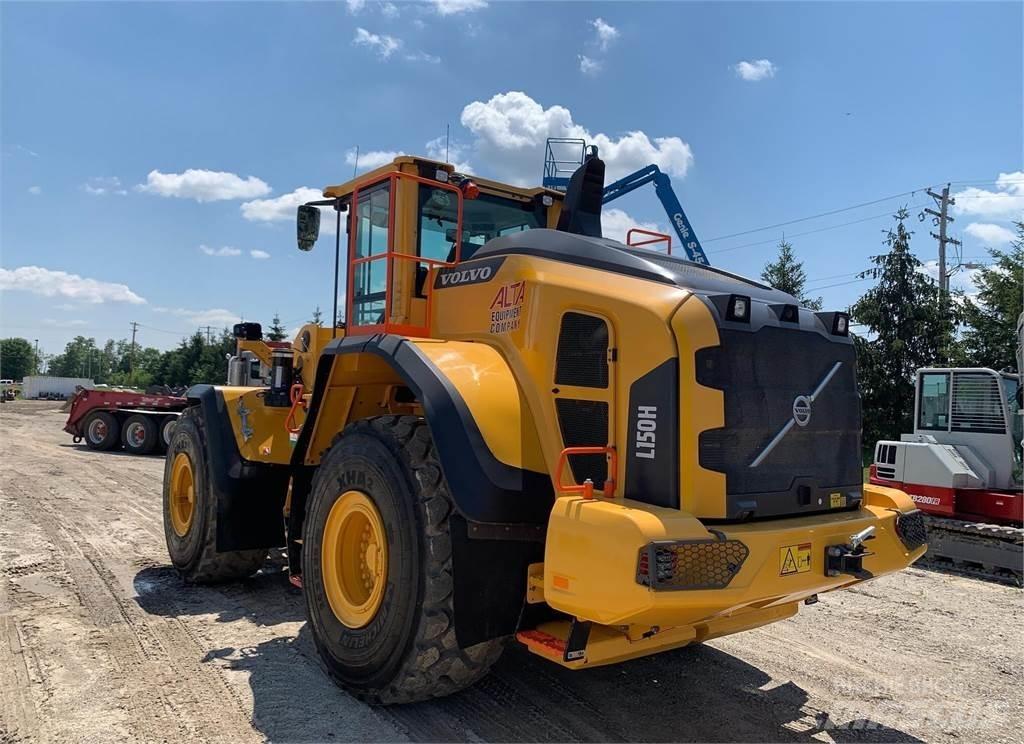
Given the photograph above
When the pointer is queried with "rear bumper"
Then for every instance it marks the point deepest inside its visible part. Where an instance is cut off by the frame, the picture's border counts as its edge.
(594, 547)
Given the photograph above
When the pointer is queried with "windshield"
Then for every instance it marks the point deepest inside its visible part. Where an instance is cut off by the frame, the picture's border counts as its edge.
(483, 218)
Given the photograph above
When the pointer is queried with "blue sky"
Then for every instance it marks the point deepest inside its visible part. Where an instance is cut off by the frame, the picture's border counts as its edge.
(152, 154)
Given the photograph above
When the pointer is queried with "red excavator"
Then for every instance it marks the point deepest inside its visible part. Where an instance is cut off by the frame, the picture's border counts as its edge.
(962, 466)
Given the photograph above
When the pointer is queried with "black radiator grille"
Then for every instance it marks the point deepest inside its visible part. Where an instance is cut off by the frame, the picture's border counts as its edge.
(582, 357)
(584, 423)
(762, 373)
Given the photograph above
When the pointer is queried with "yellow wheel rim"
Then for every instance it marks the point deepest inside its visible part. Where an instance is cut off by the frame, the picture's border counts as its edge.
(183, 494)
(354, 559)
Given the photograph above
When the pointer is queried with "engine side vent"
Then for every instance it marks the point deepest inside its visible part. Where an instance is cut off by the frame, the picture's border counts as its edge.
(584, 423)
(582, 357)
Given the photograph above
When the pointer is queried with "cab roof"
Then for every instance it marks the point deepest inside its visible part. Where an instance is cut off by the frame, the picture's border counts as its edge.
(432, 166)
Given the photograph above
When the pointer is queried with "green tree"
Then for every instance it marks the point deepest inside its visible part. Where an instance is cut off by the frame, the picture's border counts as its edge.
(17, 358)
(990, 335)
(277, 331)
(904, 325)
(81, 358)
(787, 274)
(317, 316)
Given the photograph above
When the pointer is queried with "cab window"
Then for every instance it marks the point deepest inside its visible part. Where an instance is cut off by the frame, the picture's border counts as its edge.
(483, 218)
(934, 396)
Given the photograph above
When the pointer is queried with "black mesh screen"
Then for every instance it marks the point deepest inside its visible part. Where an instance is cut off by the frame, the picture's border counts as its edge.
(582, 357)
(584, 423)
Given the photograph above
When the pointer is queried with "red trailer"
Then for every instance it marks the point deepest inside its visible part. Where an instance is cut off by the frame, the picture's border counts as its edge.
(109, 419)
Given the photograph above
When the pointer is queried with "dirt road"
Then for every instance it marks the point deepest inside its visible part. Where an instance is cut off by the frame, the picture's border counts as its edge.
(100, 641)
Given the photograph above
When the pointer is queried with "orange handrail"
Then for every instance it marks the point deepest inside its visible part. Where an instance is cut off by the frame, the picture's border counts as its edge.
(658, 238)
(587, 488)
(296, 396)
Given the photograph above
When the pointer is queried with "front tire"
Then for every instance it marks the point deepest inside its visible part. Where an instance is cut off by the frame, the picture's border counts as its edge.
(190, 511)
(390, 639)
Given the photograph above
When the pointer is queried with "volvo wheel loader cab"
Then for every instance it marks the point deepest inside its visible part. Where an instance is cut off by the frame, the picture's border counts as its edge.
(528, 431)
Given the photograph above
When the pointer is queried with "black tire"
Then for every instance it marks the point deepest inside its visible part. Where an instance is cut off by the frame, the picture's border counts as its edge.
(195, 554)
(166, 431)
(408, 651)
(101, 431)
(139, 434)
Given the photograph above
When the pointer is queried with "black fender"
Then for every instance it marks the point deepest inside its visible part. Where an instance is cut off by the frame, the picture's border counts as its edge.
(250, 495)
(485, 490)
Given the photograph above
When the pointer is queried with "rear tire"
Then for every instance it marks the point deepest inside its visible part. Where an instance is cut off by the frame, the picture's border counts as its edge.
(139, 434)
(166, 432)
(101, 430)
(190, 511)
(406, 650)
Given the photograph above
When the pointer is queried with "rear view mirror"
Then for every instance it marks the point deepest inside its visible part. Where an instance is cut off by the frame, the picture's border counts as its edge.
(307, 226)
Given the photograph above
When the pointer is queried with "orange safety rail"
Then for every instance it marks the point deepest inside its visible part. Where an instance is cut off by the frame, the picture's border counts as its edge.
(296, 393)
(657, 238)
(587, 489)
(390, 255)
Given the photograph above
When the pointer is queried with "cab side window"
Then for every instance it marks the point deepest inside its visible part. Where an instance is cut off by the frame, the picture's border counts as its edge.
(934, 396)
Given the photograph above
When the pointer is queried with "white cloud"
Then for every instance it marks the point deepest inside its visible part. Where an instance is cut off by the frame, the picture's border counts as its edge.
(50, 283)
(283, 208)
(606, 33)
(453, 7)
(64, 322)
(103, 185)
(389, 10)
(35, 190)
(382, 44)
(988, 233)
(511, 129)
(755, 70)
(223, 251)
(258, 254)
(430, 59)
(65, 306)
(435, 149)
(217, 317)
(203, 185)
(589, 66)
(371, 158)
(354, 6)
(615, 223)
(1007, 202)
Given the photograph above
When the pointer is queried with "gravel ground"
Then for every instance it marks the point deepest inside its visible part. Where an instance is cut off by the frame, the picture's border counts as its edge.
(100, 641)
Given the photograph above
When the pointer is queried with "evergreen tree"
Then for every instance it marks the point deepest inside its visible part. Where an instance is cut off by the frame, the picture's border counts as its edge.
(277, 331)
(990, 336)
(317, 316)
(905, 324)
(787, 274)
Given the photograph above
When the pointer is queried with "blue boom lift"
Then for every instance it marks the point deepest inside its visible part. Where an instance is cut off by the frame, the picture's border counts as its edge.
(556, 176)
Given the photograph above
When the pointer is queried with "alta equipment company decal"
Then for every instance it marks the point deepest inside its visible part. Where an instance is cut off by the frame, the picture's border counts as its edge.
(507, 307)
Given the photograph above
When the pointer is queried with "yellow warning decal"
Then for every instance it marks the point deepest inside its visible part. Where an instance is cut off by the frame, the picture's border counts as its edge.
(837, 500)
(794, 559)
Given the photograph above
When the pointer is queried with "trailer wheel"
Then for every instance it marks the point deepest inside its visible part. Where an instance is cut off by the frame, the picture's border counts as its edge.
(102, 431)
(166, 432)
(190, 511)
(377, 567)
(139, 434)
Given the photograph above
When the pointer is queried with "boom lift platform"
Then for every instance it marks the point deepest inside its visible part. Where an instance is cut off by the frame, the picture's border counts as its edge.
(528, 431)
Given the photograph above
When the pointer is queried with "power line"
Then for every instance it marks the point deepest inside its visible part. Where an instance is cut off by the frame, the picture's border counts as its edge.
(839, 284)
(816, 216)
(809, 232)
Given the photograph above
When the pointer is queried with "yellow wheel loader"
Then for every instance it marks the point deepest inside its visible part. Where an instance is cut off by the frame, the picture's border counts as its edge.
(529, 433)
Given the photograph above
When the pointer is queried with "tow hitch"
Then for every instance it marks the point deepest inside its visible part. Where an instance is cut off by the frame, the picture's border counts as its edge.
(849, 558)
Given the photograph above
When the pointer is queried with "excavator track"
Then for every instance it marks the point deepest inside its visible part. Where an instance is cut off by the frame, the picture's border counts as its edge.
(985, 551)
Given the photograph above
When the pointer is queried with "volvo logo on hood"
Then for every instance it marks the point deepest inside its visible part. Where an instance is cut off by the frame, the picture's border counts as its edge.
(471, 272)
(801, 414)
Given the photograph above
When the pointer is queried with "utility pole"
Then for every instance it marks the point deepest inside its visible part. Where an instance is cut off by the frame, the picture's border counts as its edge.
(208, 328)
(941, 219)
(35, 360)
(131, 350)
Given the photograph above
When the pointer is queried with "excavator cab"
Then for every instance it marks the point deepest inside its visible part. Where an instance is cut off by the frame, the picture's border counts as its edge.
(528, 431)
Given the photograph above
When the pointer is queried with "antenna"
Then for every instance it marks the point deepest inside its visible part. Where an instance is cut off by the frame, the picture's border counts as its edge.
(447, 134)
(355, 166)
